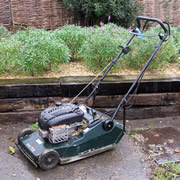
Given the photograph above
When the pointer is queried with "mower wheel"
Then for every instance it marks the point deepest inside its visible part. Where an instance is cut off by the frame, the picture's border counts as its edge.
(108, 125)
(25, 132)
(48, 159)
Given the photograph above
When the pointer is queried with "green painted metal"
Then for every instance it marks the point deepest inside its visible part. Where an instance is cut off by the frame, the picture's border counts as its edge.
(89, 140)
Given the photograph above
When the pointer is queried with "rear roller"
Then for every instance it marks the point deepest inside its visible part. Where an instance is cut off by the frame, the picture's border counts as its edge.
(48, 159)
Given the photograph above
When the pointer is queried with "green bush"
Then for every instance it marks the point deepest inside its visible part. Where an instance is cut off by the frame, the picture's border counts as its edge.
(74, 37)
(9, 53)
(141, 50)
(175, 34)
(103, 46)
(36, 51)
(121, 12)
(3, 32)
(104, 43)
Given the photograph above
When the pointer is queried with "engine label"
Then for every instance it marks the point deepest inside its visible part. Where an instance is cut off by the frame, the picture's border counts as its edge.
(38, 141)
(30, 147)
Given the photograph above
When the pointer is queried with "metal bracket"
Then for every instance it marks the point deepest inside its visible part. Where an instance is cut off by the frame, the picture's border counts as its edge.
(125, 49)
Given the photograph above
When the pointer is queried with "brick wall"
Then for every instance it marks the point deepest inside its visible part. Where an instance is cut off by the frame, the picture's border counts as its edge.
(5, 13)
(160, 9)
(48, 14)
(51, 14)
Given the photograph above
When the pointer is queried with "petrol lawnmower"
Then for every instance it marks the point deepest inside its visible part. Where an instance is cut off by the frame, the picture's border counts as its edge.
(69, 132)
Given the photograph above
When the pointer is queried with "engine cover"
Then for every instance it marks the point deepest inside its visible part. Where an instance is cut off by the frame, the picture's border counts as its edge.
(60, 114)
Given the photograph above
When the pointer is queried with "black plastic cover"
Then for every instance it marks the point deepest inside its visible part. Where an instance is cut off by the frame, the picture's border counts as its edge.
(58, 115)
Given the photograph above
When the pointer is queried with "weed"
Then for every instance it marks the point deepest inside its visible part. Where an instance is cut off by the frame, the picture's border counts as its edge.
(139, 129)
(130, 135)
(150, 127)
(34, 126)
(168, 171)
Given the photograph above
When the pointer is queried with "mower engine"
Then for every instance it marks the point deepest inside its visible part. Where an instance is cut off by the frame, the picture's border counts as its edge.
(62, 121)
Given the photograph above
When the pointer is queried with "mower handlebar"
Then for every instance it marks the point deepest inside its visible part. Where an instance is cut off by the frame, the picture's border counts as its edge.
(139, 18)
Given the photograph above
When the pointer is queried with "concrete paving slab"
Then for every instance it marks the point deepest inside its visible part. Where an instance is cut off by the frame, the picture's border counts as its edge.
(155, 123)
(125, 162)
(160, 137)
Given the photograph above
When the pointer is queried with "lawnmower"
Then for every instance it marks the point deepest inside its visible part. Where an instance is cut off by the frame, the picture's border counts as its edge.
(69, 132)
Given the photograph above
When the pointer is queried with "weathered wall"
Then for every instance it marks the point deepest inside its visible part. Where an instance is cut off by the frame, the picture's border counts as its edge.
(48, 14)
(169, 12)
(5, 13)
(51, 14)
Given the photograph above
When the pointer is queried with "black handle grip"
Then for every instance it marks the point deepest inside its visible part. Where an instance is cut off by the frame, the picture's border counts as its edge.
(139, 18)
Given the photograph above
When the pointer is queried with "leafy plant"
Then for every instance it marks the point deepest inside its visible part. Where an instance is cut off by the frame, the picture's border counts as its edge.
(11, 150)
(139, 129)
(34, 51)
(132, 136)
(175, 34)
(151, 126)
(141, 50)
(3, 32)
(34, 126)
(167, 171)
(119, 11)
(9, 53)
(73, 36)
(102, 46)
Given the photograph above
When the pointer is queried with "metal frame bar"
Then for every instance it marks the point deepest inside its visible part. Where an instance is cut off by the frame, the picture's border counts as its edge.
(137, 79)
(125, 50)
(106, 72)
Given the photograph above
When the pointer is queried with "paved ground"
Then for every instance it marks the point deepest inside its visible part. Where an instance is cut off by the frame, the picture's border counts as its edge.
(155, 123)
(160, 137)
(125, 162)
